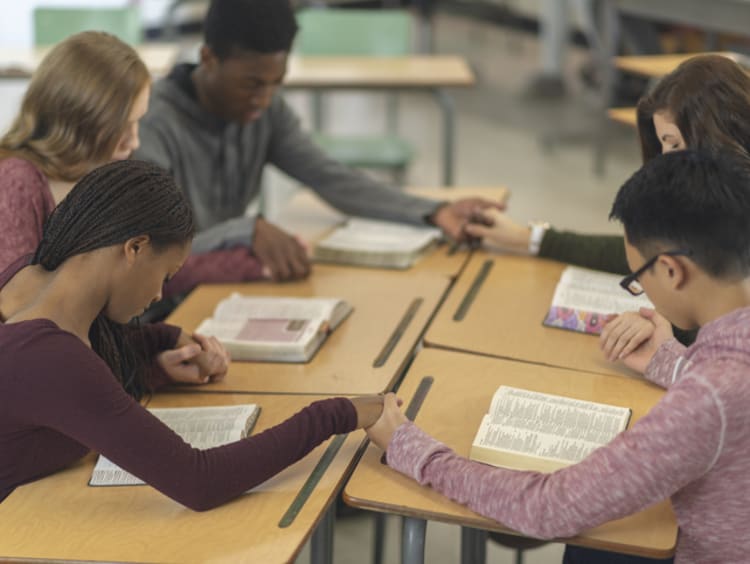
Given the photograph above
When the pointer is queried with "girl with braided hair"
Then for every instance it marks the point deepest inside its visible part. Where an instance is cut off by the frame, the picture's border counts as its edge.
(71, 372)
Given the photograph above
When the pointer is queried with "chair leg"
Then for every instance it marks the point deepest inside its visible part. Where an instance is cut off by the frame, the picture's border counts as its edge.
(379, 539)
(519, 556)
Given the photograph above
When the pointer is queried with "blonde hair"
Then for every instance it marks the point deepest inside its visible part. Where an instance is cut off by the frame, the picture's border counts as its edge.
(77, 104)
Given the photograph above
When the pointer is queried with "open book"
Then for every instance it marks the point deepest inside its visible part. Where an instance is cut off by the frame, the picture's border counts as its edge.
(201, 427)
(274, 329)
(384, 244)
(586, 299)
(527, 430)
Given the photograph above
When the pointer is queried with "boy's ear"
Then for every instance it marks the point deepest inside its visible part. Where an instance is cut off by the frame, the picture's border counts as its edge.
(676, 271)
(208, 58)
(134, 247)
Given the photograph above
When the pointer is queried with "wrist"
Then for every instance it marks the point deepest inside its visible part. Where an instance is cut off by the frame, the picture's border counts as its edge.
(433, 217)
(537, 230)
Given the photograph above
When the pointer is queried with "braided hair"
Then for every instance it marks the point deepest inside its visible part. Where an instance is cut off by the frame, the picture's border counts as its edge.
(108, 206)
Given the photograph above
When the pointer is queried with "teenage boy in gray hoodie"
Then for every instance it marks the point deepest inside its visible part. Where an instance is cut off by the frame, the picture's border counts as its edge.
(215, 125)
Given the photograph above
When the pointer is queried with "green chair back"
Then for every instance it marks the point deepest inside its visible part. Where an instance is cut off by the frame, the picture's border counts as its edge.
(355, 32)
(52, 25)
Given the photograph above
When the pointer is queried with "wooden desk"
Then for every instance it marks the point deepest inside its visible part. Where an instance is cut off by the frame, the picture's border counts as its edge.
(505, 317)
(311, 218)
(21, 63)
(345, 362)
(61, 518)
(409, 72)
(434, 73)
(626, 116)
(656, 66)
(453, 408)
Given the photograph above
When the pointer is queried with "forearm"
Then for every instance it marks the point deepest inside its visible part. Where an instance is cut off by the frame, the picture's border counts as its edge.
(665, 364)
(600, 252)
(225, 235)
(609, 484)
(215, 267)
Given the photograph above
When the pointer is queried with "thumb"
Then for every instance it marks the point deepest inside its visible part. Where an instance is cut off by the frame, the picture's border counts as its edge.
(186, 352)
(647, 313)
(476, 230)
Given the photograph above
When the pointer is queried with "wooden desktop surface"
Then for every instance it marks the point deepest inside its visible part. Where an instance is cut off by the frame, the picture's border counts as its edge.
(505, 318)
(655, 66)
(418, 71)
(452, 411)
(21, 63)
(61, 518)
(344, 364)
(626, 116)
(311, 218)
(412, 71)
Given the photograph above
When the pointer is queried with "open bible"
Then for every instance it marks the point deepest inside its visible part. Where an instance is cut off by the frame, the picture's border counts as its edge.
(201, 427)
(585, 300)
(526, 430)
(384, 244)
(274, 329)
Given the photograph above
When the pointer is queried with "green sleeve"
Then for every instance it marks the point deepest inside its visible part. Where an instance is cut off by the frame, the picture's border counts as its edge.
(600, 252)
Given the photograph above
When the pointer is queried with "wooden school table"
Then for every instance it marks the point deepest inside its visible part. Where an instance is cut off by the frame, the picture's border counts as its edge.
(364, 355)
(625, 116)
(656, 66)
(432, 73)
(451, 412)
(308, 216)
(504, 299)
(21, 63)
(60, 518)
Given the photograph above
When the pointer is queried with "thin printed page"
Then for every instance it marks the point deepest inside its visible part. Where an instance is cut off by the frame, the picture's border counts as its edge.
(535, 425)
(370, 235)
(201, 427)
(585, 300)
(239, 306)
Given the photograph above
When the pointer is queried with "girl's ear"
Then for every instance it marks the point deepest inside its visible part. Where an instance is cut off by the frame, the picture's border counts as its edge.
(135, 246)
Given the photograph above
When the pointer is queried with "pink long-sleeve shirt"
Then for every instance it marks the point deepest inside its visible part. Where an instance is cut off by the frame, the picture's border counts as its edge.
(26, 202)
(692, 447)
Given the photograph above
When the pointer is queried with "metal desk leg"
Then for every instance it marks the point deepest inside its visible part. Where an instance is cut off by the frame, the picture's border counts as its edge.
(473, 546)
(321, 543)
(449, 132)
(610, 41)
(412, 540)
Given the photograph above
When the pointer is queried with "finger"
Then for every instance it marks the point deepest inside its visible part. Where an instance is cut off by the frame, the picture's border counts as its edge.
(186, 374)
(181, 354)
(635, 342)
(476, 230)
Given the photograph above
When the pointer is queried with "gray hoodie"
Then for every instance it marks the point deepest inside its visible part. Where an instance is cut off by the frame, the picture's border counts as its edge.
(219, 164)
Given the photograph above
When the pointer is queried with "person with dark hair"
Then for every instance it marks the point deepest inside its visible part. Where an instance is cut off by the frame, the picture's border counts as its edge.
(217, 124)
(687, 242)
(72, 372)
(703, 104)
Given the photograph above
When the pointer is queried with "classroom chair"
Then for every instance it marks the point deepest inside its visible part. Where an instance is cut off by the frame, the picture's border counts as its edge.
(358, 32)
(53, 24)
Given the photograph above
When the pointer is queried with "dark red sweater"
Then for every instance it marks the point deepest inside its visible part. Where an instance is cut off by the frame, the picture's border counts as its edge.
(58, 400)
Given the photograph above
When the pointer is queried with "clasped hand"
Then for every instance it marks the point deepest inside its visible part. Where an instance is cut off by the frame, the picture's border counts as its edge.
(199, 362)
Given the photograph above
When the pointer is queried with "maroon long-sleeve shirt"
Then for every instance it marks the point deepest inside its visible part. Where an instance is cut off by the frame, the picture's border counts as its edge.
(26, 202)
(58, 400)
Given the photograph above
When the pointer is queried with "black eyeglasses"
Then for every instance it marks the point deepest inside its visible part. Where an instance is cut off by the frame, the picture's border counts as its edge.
(631, 283)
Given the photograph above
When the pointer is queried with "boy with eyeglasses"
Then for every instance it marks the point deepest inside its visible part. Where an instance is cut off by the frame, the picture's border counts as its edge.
(687, 241)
